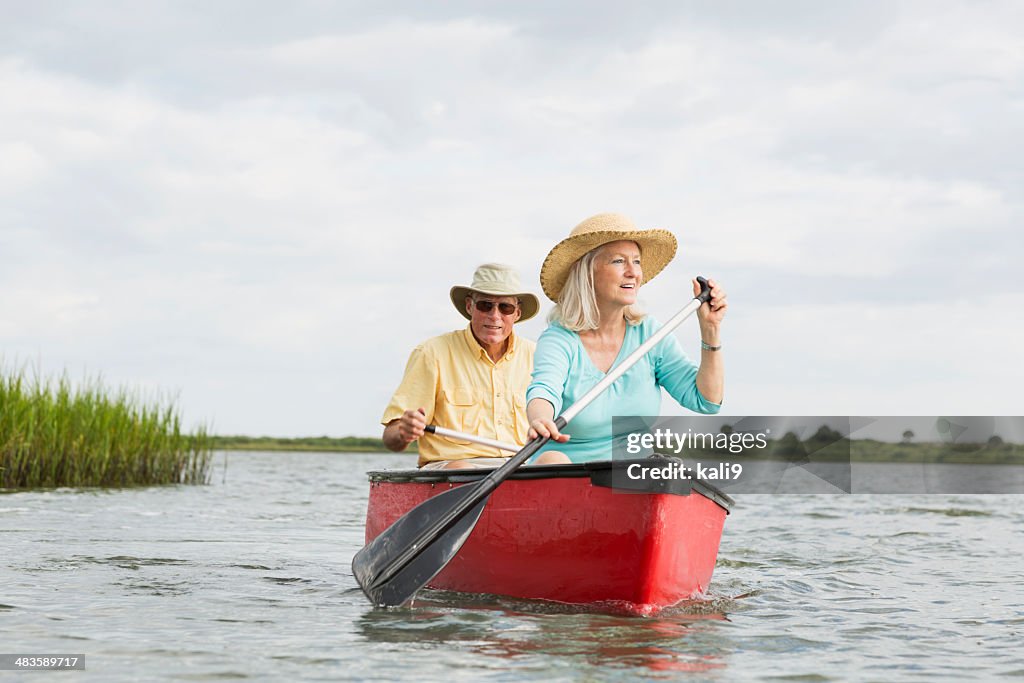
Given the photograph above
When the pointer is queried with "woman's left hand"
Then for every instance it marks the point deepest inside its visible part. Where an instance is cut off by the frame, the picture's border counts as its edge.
(711, 314)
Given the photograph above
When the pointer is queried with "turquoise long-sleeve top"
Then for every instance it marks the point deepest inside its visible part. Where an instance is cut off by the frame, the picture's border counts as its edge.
(563, 373)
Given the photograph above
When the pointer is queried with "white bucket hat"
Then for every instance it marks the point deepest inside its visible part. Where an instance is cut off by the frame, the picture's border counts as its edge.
(496, 279)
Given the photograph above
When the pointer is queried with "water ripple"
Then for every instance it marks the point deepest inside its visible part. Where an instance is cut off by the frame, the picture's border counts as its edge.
(249, 578)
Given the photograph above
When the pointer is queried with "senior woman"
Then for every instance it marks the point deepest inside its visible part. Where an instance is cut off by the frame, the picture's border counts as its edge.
(594, 277)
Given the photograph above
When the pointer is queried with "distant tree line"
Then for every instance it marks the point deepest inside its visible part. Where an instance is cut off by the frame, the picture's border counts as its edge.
(305, 443)
(828, 444)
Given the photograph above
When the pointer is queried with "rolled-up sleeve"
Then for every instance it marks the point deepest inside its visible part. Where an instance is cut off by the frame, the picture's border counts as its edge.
(674, 371)
(551, 363)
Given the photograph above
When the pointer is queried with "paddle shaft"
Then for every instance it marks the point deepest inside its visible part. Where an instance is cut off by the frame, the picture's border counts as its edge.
(482, 440)
(598, 388)
(487, 484)
(620, 369)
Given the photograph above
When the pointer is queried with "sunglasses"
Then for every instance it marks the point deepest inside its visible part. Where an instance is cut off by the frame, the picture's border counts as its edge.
(488, 306)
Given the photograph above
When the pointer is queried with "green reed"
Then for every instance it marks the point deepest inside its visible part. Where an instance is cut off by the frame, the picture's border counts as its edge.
(53, 434)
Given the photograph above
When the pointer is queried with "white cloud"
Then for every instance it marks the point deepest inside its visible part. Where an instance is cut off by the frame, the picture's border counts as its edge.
(403, 42)
(21, 166)
(268, 217)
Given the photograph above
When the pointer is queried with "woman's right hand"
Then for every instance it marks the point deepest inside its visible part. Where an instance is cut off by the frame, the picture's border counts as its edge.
(543, 426)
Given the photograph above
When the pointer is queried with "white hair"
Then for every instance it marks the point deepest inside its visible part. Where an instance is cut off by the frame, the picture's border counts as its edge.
(576, 309)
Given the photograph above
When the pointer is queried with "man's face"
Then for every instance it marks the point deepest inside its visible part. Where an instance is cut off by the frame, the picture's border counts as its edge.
(492, 326)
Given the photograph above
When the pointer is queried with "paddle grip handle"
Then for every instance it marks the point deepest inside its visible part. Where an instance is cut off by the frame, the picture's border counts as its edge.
(705, 290)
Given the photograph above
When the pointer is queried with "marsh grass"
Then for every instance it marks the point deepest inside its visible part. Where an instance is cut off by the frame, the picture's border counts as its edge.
(55, 434)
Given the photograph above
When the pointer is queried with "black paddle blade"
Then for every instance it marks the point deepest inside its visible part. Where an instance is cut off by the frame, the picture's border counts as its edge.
(396, 564)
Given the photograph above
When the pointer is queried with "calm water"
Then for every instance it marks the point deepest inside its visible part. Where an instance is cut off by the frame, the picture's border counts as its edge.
(248, 578)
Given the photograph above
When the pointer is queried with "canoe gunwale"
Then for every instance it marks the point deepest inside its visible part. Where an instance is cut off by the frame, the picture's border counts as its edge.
(605, 473)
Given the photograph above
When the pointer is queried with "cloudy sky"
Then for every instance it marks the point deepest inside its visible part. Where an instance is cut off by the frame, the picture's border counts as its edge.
(259, 207)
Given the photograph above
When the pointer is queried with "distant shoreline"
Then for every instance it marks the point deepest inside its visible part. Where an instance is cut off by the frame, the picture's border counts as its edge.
(858, 450)
(313, 444)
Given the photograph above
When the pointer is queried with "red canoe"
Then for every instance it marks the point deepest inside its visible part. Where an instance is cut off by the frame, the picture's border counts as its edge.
(598, 532)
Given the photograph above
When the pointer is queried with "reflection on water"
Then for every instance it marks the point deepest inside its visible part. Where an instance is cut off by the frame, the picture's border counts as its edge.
(249, 578)
(502, 627)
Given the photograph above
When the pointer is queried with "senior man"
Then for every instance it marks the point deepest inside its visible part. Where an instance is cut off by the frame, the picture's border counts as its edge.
(471, 380)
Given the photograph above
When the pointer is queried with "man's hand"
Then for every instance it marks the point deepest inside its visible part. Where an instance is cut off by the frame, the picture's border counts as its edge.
(406, 429)
(412, 424)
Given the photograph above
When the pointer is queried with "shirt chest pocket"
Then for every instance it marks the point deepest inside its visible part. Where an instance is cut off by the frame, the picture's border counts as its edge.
(460, 410)
(519, 423)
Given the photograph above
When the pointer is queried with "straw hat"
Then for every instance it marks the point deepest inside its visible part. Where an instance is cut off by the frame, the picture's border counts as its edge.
(657, 248)
(497, 280)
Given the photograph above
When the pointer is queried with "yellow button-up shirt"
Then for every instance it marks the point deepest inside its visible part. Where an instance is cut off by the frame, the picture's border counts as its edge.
(459, 387)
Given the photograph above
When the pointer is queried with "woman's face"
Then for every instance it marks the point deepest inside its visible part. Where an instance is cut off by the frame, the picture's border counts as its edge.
(617, 273)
